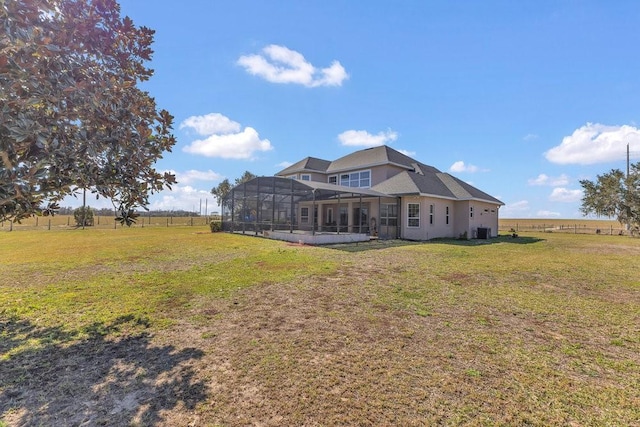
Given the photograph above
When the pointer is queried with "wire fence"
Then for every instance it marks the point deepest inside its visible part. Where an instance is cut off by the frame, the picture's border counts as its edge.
(103, 222)
(60, 222)
(605, 228)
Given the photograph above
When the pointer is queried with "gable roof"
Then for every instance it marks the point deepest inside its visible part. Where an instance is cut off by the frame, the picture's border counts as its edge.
(375, 156)
(432, 184)
(417, 178)
(308, 164)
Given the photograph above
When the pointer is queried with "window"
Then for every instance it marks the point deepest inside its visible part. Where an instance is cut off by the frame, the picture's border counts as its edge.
(447, 215)
(431, 212)
(471, 212)
(356, 179)
(305, 177)
(333, 179)
(389, 215)
(304, 215)
(413, 215)
(329, 215)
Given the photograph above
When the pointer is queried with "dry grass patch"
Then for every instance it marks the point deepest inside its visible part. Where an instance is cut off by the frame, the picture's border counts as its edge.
(540, 331)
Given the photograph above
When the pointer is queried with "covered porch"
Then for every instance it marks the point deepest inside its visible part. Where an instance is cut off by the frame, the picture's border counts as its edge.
(289, 209)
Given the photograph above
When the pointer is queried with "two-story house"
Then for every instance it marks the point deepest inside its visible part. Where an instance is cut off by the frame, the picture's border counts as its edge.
(376, 191)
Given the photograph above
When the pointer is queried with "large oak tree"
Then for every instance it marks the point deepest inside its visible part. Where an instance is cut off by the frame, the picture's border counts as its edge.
(71, 113)
(615, 195)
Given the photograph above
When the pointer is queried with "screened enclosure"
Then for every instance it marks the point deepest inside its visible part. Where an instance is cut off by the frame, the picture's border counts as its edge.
(266, 205)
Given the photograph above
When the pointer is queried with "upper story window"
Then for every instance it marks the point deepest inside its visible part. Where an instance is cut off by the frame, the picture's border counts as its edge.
(356, 179)
(305, 177)
(333, 179)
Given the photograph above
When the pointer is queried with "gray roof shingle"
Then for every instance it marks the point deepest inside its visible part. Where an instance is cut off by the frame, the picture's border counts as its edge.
(368, 157)
(308, 164)
(418, 178)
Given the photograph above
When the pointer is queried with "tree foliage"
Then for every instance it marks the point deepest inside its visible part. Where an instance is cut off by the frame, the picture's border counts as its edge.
(71, 114)
(614, 195)
(83, 216)
(224, 188)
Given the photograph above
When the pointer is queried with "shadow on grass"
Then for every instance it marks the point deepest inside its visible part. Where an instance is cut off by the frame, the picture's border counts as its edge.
(384, 244)
(99, 375)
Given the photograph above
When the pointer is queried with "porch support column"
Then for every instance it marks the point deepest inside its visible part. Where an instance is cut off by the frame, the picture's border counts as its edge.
(233, 205)
(378, 221)
(273, 203)
(258, 203)
(313, 213)
(292, 210)
(360, 216)
(244, 207)
(339, 222)
(399, 227)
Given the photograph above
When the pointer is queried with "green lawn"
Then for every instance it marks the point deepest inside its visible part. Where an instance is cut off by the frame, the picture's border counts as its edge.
(179, 326)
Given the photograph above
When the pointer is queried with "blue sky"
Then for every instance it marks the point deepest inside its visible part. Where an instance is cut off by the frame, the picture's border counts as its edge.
(521, 99)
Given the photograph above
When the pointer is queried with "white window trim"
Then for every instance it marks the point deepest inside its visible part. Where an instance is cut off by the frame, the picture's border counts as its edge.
(432, 212)
(339, 177)
(414, 218)
(333, 176)
(302, 176)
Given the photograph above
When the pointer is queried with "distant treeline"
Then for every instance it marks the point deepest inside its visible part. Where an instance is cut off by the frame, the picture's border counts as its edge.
(110, 212)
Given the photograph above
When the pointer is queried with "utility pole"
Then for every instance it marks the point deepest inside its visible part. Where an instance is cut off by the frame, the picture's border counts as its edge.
(627, 160)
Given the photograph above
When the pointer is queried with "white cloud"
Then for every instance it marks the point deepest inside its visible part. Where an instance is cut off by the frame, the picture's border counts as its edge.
(515, 209)
(544, 179)
(279, 64)
(183, 197)
(224, 138)
(460, 166)
(595, 143)
(408, 153)
(530, 137)
(565, 195)
(548, 214)
(284, 165)
(362, 138)
(190, 176)
(213, 123)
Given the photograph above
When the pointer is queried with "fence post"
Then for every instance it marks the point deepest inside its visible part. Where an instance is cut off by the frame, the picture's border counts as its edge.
(10, 225)
(49, 226)
(36, 221)
(68, 218)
